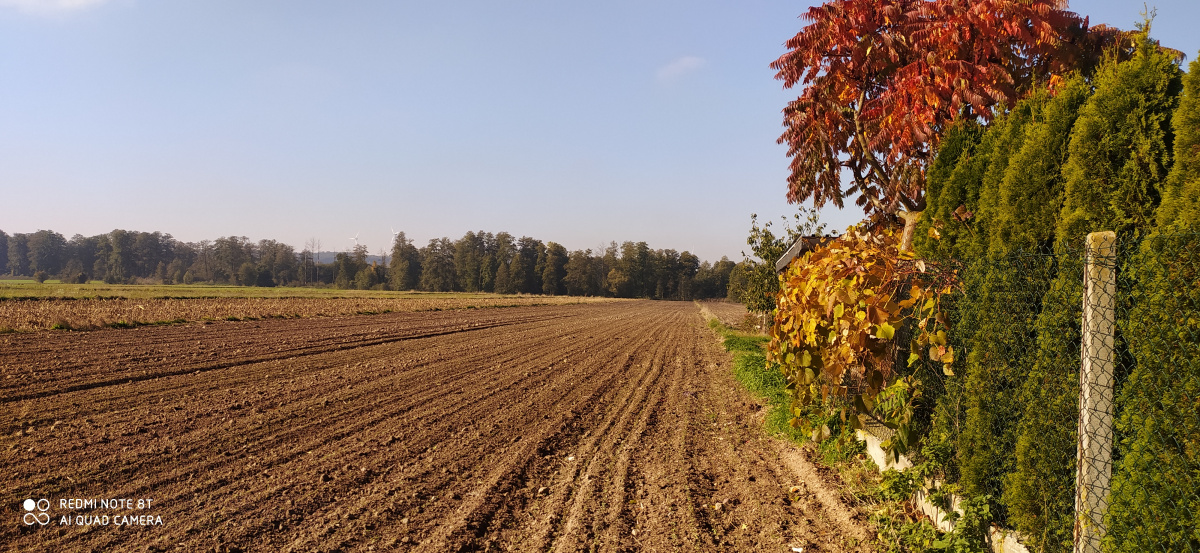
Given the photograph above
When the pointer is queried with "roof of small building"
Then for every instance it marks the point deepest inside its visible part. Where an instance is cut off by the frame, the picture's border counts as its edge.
(801, 246)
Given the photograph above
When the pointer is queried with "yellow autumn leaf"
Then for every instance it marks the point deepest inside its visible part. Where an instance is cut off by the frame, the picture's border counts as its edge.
(948, 356)
(885, 331)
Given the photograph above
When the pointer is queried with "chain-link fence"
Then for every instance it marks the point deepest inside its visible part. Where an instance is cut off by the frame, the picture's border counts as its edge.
(1074, 407)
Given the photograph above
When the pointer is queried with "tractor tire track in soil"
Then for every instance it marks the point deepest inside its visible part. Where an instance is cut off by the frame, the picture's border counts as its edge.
(612, 426)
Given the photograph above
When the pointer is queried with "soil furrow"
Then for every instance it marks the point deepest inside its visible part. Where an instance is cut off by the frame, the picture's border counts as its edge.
(616, 436)
(611, 426)
(133, 364)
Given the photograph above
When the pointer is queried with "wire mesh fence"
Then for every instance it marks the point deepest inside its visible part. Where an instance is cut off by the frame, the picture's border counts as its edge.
(1074, 408)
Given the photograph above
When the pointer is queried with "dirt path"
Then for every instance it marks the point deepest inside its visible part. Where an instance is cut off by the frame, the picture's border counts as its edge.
(608, 427)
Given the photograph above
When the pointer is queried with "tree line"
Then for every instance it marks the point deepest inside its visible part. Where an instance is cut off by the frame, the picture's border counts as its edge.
(477, 262)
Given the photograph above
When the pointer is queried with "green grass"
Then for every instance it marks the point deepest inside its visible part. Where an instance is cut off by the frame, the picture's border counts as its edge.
(29, 289)
(764, 380)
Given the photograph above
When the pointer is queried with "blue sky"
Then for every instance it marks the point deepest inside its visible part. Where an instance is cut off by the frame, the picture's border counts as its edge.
(567, 121)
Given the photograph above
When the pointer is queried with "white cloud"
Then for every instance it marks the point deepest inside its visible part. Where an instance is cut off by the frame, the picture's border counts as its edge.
(42, 7)
(673, 71)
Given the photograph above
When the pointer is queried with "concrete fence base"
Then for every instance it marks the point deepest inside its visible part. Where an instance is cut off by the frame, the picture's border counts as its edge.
(1003, 540)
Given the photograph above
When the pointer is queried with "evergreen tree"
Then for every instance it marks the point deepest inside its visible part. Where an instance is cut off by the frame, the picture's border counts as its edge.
(965, 186)
(3, 251)
(739, 281)
(1155, 502)
(1039, 489)
(506, 252)
(1029, 195)
(405, 265)
(1003, 184)
(468, 254)
(524, 269)
(685, 275)
(1181, 194)
(437, 266)
(488, 262)
(1119, 153)
(937, 232)
(578, 278)
(998, 357)
(636, 264)
(555, 269)
(1034, 478)
(1005, 141)
(1120, 150)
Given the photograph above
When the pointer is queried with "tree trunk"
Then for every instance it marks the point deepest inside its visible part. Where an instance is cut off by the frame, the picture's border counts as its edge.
(910, 225)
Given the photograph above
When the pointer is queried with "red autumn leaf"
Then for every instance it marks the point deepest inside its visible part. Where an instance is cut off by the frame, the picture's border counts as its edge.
(880, 80)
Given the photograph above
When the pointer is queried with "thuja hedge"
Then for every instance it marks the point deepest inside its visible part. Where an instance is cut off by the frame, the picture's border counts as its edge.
(1119, 151)
(1155, 503)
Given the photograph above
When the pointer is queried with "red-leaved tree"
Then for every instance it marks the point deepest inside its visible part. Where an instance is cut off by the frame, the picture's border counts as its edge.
(882, 79)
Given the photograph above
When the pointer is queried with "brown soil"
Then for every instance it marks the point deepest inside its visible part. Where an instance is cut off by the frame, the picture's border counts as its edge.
(607, 426)
(729, 313)
(26, 314)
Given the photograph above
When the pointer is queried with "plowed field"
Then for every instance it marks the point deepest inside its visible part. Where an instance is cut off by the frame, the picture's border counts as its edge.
(610, 426)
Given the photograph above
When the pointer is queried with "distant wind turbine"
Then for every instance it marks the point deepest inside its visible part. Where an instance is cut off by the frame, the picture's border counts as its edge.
(355, 239)
(395, 232)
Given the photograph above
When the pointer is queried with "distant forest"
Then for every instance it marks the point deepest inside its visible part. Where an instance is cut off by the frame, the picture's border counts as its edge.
(477, 262)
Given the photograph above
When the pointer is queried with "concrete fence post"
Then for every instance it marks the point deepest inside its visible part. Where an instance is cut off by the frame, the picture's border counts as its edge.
(1094, 461)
